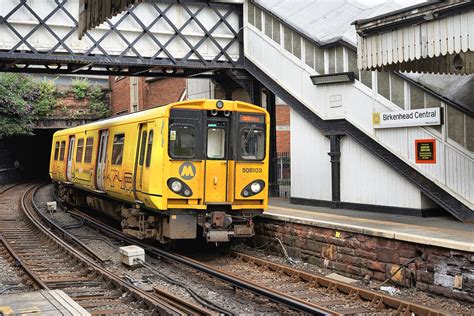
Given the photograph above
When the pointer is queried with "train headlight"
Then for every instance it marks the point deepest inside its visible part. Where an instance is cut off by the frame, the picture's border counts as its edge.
(176, 186)
(179, 187)
(255, 187)
(219, 104)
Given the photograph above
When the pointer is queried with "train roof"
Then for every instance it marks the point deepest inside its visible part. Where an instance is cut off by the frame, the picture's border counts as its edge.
(157, 112)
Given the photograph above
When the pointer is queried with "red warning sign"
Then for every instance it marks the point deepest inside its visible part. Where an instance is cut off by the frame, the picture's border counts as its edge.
(425, 150)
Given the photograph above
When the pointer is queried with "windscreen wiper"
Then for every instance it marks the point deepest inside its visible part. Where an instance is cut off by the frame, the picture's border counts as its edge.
(249, 134)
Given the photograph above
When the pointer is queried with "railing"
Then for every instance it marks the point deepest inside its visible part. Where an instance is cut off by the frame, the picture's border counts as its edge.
(283, 173)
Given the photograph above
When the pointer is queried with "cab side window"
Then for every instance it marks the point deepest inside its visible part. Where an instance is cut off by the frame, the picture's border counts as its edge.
(117, 149)
(56, 151)
(148, 149)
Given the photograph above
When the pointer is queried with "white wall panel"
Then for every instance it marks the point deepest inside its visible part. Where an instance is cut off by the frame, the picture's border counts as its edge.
(357, 105)
(310, 163)
(366, 179)
(199, 88)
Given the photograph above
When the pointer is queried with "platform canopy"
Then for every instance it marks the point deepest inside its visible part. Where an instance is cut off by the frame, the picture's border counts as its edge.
(431, 37)
(94, 12)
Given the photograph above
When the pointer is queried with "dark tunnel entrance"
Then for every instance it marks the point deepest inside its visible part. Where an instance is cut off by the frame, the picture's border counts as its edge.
(29, 155)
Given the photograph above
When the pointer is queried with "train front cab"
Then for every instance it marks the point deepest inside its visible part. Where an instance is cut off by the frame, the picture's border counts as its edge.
(218, 167)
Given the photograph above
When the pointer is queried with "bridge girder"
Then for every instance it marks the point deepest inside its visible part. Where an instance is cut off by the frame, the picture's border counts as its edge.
(173, 38)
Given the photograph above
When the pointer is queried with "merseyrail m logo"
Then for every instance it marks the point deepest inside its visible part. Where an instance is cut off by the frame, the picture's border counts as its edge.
(376, 118)
(187, 170)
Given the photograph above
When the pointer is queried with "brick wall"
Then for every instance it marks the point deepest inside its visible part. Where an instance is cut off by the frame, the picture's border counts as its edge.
(435, 269)
(283, 125)
(151, 93)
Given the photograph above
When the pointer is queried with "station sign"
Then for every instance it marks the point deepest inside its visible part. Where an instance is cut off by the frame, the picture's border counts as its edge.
(407, 118)
(425, 150)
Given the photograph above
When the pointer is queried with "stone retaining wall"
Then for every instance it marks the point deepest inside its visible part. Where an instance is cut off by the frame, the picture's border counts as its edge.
(438, 270)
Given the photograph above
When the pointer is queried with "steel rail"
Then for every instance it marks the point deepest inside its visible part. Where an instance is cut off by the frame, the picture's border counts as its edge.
(281, 298)
(63, 232)
(23, 266)
(146, 298)
(354, 292)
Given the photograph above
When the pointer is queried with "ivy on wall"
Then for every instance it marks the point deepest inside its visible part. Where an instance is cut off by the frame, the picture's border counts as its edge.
(24, 100)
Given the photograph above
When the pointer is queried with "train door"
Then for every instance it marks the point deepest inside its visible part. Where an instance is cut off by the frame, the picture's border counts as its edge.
(216, 160)
(101, 159)
(142, 160)
(69, 158)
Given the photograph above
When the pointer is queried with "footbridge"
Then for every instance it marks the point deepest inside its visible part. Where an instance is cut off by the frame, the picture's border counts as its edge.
(366, 167)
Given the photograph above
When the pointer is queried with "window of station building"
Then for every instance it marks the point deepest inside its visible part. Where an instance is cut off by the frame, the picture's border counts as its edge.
(268, 25)
(62, 150)
(252, 143)
(292, 42)
(455, 125)
(417, 97)
(250, 13)
(258, 18)
(117, 149)
(215, 143)
(397, 90)
(272, 28)
(431, 101)
(56, 150)
(89, 148)
(149, 148)
(319, 60)
(331, 60)
(339, 59)
(276, 30)
(383, 84)
(182, 140)
(352, 63)
(366, 78)
(309, 53)
(470, 132)
(79, 149)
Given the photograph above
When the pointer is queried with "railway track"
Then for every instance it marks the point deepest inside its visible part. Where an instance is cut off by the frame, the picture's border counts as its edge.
(302, 291)
(54, 264)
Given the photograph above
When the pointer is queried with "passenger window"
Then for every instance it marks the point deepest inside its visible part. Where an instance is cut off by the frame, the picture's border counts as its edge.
(142, 148)
(56, 151)
(117, 149)
(62, 150)
(80, 149)
(89, 147)
(215, 143)
(148, 149)
(252, 143)
(182, 140)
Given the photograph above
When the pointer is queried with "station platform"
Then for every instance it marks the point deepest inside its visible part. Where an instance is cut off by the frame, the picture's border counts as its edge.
(53, 302)
(434, 231)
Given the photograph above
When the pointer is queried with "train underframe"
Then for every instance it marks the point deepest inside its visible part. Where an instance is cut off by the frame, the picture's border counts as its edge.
(219, 223)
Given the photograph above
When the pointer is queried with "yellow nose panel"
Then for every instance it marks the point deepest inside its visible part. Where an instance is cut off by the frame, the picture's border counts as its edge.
(216, 181)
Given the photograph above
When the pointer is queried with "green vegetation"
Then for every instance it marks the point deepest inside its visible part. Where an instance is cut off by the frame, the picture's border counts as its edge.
(80, 86)
(24, 100)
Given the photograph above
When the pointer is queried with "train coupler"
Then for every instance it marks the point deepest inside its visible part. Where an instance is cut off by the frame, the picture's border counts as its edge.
(220, 227)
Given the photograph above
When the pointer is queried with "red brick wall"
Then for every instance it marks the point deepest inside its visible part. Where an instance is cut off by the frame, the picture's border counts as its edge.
(161, 91)
(120, 94)
(151, 93)
(283, 122)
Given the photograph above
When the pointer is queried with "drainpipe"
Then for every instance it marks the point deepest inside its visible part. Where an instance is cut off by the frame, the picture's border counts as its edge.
(335, 154)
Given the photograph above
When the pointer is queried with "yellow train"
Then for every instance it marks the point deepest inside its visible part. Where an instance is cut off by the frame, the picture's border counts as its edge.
(171, 171)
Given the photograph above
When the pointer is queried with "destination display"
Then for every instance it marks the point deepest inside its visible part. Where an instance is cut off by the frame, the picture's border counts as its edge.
(425, 151)
(406, 118)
